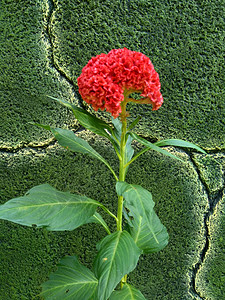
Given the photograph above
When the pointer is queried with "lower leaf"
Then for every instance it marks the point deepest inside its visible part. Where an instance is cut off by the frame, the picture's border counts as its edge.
(71, 281)
(45, 206)
(128, 292)
(118, 255)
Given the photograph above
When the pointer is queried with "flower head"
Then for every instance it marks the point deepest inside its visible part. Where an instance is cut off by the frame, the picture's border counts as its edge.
(107, 77)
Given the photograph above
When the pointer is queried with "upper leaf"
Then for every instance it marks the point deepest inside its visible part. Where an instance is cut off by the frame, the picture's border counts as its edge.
(136, 197)
(70, 141)
(71, 281)
(86, 119)
(178, 143)
(145, 227)
(151, 146)
(118, 255)
(128, 292)
(134, 123)
(45, 206)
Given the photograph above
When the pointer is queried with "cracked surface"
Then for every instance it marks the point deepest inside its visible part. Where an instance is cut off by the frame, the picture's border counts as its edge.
(211, 173)
(43, 49)
(28, 75)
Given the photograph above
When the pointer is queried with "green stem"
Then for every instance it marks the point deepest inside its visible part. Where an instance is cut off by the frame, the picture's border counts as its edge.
(122, 168)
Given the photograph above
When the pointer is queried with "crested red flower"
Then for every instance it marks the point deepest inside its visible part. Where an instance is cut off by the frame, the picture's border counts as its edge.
(106, 77)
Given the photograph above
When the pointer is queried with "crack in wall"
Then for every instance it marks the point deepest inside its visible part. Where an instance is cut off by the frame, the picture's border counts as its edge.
(50, 12)
(213, 200)
(43, 145)
(22, 146)
(51, 9)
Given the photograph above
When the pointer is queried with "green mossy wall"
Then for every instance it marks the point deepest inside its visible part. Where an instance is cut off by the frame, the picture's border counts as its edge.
(44, 46)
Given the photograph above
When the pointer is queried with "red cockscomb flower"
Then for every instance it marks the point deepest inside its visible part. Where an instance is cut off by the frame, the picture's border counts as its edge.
(106, 77)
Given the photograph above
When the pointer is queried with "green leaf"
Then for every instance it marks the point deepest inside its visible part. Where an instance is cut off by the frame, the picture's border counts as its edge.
(45, 206)
(128, 292)
(87, 120)
(151, 146)
(145, 227)
(71, 281)
(118, 255)
(70, 141)
(97, 218)
(134, 123)
(178, 143)
(144, 238)
(46, 127)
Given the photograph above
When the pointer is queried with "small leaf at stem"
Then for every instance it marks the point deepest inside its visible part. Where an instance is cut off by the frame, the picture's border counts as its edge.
(178, 143)
(151, 146)
(97, 218)
(69, 140)
(45, 206)
(118, 255)
(71, 281)
(134, 123)
(46, 127)
(128, 292)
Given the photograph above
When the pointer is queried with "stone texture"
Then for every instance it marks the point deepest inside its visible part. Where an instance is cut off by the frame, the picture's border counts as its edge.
(184, 40)
(27, 74)
(181, 203)
(210, 279)
(44, 46)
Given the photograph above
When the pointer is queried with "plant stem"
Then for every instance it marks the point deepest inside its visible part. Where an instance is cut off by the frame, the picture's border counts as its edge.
(122, 170)
(122, 163)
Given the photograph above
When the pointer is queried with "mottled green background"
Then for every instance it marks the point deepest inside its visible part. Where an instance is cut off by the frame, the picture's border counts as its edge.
(43, 47)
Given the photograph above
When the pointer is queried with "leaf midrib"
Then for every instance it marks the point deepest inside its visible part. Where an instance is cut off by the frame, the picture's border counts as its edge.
(52, 204)
(92, 150)
(112, 259)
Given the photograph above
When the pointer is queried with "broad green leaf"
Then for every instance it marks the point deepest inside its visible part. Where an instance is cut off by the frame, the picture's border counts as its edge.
(144, 238)
(86, 119)
(97, 218)
(144, 222)
(128, 292)
(136, 197)
(151, 146)
(178, 143)
(45, 206)
(118, 255)
(71, 281)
